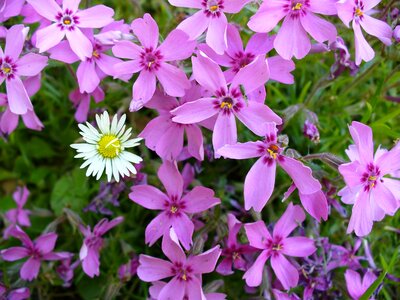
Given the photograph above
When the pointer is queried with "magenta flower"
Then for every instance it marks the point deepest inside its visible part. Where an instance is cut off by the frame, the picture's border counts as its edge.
(226, 103)
(256, 195)
(359, 12)
(12, 67)
(166, 137)
(151, 61)
(311, 131)
(19, 216)
(67, 22)
(16, 294)
(36, 251)
(174, 205)
(357, 287)
(185, 272)
(10, 8)
(66, 271)
(211, 17)
(81, 102)
(299, 19)
(92, 244)
(371, 194)
(277, 246)
(233, 252)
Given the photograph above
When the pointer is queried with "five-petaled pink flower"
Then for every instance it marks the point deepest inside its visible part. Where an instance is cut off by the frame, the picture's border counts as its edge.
(36, 251)
(371, 194)
(359, 12)
(260, 181)
(357, 287)
(300, 19)
(68, 21)
(12, 67)
(92, 244)
(277, 246)
(151, 61)
(174, 205)
(185, 272)
(211, 16)
(226, 102)
(18, 216)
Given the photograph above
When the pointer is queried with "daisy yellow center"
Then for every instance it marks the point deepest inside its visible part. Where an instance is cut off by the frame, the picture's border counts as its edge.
(174, 209)
(109, 146)
(359, 12)
(297, 6)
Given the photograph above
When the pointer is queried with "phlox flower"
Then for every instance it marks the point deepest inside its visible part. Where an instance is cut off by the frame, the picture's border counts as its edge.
(66, 271)
(226, 102)
(249, 62)
(81, 102)
(299, 19)
(260, 181)
(279, 295)
(185, 271)
(18, 216)
(372, 194)
(233, 252)
(277, 246)
(92, 244)
(16, 294)
(357, 287)
(67, 22)
(158, 286)
(10, 8)
(152, 60)
(175, 206)
(358, 12)
(345, 256)
(37, 251)
(12, 67)
(105, 149)
(210, 17)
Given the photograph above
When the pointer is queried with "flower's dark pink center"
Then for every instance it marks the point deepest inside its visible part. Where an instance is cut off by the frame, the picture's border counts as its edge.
(174, 206)
(67, 20)
(7, 67)
(96, 54)
(213, 8)
(296, 8)
(228, 101)
(273, 151)
(94, 242)
(371, 177)
(183, 273)
(150, 60)
(35, 253)
(358, 12)
(241, 60)
(274, 245)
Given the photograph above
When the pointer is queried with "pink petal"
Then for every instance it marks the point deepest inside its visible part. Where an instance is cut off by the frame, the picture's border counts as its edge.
(300, 174)
(127, 68)
(255, 195)
(175, 289)
(107, 64)
(14, 253)
(148, 197)
(291, 218)
(30, 269)
(345, 11)
(143, 88)
(172, 249)
(177, 46)
(363, 49)
(71, 4)
(216, 34)
(18, 99)
(279, 69)
(234, 41)
(46, 8)
(253, 75)
(158, 227)
(199, 199)
(186, 3)
(162, 102)
(8, 121)
(260, 44)
(323, 7)
(15, 40)
(153, 269)
(362, 136)
(46, 243)
(195, 141)
(225, 266)
(48, 37)
(352, 173)
(173, 80)
(253, 275)
(171, 179)
(208, 74)
(91, 263)
(320, 29)
(225, 132)
(368, 279)
(389, 162)
(193, 112)
(315, 204)
(64, 53)
(146, 30)
(95, 17)
(195, 25)
(268, 16)
(257, 234)
(205, 262)
(184, 229)
(362, 215)
(298, 246)
(353, 283)
(288, 44)
(170, 144)
(285, 271)
(79, 43)
(234, 226)
(384, 198)
(154, 130)
(234, 6)
(21, 195)
(369, 4)
(242, 150)
(87, 77)
(127, 49)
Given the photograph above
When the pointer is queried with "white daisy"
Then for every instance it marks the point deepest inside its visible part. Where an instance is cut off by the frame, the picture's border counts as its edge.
(105, 149)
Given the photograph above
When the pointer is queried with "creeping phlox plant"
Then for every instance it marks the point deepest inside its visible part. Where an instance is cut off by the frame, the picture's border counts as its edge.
(212, 113)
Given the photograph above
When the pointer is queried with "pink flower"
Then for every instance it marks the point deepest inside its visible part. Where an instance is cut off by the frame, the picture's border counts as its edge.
(277, 246)
(12, 67)
(167, 137)
(233, 251)
(151, 61)
(92, 244)
(82, 102)
(36, 251)
(16, 294)
(10, 8)
(270, 152)
(299, 19)
(371, 194)
(211, 17)
(357, 287)
(67, 22)
(185, 271)
(226, 103)
(359, 12)
(174, 205)
(19, 216)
